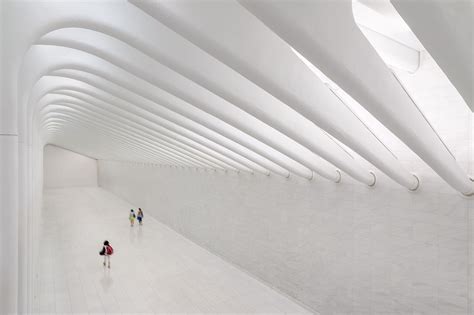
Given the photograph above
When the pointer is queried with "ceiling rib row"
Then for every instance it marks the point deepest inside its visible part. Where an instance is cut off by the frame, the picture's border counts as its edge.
(344, 55)
(218, 86)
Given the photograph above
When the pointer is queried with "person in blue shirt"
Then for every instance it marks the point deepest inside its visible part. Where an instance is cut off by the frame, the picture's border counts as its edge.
(140, 216)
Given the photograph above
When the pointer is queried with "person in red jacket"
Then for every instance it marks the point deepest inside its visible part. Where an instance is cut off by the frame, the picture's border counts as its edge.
(107, 251)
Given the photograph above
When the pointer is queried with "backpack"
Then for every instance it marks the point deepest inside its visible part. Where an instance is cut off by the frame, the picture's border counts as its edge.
(109, 250)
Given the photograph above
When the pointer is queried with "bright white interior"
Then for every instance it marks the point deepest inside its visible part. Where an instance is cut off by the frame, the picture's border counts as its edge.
(337, 136)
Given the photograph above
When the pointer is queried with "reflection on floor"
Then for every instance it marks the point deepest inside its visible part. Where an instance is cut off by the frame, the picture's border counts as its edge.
(154, 269)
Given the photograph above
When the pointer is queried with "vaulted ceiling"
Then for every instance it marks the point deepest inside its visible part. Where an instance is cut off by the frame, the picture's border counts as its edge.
(245, 86)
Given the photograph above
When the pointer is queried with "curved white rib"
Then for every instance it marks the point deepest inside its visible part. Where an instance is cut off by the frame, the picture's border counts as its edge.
(345, 56)
(261, 169)
(98, 146)
(146, 131)
(199, 23)
(276, 69)
(152, 106)
(132, 109)
(142, 139)
(115, 149)
(244, 122)
(79, 103)
(117, 134)
(144, 120)
(79, 128)
(153, 71)
(273, 139)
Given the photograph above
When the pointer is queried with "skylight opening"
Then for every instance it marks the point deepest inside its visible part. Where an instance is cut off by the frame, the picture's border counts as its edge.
(388, 34)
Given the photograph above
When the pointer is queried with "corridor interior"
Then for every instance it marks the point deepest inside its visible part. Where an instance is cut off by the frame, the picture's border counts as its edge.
(153, 269)
(299, 156)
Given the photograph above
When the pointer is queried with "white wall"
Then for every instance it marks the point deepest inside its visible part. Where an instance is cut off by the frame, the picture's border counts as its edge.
(338, 248)
(64, 168)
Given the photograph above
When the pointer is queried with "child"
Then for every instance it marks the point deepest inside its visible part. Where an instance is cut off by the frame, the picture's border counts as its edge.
(131, 217)
(140, 216)
(106, 251)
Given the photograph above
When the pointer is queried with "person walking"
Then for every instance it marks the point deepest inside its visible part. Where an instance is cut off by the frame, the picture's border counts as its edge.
(140, 216)
(131, 217)
(107, 251)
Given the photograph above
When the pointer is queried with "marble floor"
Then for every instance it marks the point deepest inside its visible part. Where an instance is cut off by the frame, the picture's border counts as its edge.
(154, 269)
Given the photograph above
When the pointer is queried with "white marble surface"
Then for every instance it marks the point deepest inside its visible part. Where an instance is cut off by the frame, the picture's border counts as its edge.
(154, 269)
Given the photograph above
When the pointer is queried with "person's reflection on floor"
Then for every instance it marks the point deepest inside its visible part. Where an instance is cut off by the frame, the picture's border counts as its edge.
(106, 281)
(132, 236)
(140, 233)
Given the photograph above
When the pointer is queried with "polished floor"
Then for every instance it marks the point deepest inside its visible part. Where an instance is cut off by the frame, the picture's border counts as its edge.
(154, 269)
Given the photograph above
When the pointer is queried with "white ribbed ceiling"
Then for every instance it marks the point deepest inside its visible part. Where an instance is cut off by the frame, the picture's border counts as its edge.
(223, 85)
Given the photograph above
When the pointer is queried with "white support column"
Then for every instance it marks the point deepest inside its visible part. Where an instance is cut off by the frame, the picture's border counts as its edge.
(9, 223)
(23, 256)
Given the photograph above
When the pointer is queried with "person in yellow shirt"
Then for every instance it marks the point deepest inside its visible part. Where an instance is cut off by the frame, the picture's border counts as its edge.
(132, 217)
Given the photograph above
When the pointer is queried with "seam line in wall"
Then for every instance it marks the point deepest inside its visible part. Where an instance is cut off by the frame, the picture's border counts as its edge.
(8, 134)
